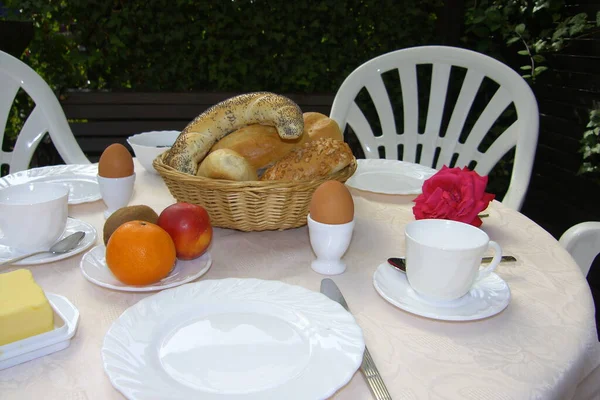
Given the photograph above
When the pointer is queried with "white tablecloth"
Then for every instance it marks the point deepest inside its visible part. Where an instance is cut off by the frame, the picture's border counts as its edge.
(543, 346)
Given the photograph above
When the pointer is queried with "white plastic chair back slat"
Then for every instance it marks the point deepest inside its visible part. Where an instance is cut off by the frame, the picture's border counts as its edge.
(582, 241)
(440, 77)
(522, 135)
(499, 102)
(377, 91)
(357, 119)
(47, 117)
(33, 131)
(459, 116)
(408, 137)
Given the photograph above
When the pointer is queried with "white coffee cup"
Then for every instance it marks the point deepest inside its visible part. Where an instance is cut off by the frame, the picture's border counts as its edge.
(33, 215)
(443, 258)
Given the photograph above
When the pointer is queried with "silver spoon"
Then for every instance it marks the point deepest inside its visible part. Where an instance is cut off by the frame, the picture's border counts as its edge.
(400, 263)
(62, 246)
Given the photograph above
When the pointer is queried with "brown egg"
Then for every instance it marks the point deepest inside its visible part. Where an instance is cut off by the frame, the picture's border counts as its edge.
(115, 162)
(332, 204)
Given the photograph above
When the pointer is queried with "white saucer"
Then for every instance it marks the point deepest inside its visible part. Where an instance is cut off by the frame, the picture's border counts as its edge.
(79, 178)
(94, 269)
(73, 225)
(487, 297)
(389, 176)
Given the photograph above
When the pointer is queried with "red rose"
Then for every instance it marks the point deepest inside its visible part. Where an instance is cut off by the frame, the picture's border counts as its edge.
(455, 194)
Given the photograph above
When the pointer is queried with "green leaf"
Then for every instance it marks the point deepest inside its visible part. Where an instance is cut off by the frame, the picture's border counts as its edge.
(520, 29)
(513, 40)
(539, 70)
(539, 58)
(526, 67)
(523, 52)
(598, 19)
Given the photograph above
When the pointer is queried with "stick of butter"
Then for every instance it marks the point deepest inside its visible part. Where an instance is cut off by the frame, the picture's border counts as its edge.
(24, 308)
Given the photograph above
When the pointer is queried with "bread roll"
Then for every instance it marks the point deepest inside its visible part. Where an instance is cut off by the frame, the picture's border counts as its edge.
(262, 146)
(312, 160)
(259, 144)
(318, 125)
(197, 138)
(227, 164)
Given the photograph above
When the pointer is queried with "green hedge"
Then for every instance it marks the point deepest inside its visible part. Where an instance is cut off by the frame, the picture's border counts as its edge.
(228, 45)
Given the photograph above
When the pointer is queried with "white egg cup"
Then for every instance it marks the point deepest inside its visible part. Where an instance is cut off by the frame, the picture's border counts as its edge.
(329, 242)
(116, 192)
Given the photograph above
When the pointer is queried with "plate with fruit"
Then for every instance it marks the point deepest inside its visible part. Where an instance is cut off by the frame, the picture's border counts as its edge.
(144, 251)
(94, 268)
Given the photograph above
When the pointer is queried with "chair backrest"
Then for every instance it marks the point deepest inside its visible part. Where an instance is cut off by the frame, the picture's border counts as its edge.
(435, 150)
(47, 116)
(582, 241)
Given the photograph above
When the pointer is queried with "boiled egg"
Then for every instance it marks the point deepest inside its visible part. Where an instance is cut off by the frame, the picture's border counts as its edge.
(332, 203)
(115, 162)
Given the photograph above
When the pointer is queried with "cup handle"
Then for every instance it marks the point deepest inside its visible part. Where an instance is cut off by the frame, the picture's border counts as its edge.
(495, 261)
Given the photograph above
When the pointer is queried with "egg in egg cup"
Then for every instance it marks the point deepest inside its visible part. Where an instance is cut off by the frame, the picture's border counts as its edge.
(116, 177)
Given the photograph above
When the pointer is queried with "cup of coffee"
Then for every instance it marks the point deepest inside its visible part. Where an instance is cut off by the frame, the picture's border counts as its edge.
(443, 258)
(33, 215)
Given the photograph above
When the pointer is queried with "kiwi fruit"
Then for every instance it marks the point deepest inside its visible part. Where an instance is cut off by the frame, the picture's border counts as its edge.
(126, 214)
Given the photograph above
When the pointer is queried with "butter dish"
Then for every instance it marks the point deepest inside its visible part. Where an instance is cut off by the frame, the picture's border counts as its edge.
(66, 319)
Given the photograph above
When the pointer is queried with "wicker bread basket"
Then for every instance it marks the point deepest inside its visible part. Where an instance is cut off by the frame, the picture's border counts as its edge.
(247, 206)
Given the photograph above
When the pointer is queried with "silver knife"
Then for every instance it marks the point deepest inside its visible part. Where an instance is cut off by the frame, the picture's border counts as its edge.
(368, 368)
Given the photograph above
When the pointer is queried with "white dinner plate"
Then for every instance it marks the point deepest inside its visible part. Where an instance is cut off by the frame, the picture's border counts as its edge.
(79, 178)
(73, 225)
(389, 176)
(231, 339)
(94, 269)
(487, 297)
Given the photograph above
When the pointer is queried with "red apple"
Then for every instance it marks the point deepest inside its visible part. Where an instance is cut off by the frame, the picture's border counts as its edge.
(189, 227)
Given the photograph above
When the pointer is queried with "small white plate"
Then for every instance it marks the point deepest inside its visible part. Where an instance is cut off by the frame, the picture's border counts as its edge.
(233, 339)
(66, 319)
(487, 297)
(73, 225)
(79, 178)
(94, 268)
(389, 176)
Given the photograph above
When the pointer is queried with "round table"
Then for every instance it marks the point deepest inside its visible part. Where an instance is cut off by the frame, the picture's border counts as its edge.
(543, 345)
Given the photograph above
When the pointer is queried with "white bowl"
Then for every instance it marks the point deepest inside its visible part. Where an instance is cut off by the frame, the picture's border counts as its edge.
(148, 145)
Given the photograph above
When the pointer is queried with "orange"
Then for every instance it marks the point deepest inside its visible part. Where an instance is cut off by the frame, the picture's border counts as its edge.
(140, 253)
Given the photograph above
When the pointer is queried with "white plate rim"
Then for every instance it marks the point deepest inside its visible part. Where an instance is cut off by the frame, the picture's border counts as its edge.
(73, 225)
(206, 258)
(491, 311)
(33, 174)
(396, 166)
(351, 327)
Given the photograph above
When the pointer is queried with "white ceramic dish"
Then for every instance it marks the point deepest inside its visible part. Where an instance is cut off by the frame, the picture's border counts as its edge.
(66, 319)
(233, 339)
(79, 178)
(389, 176)
(73, 225)
(94, 269)
(148, 145)
(487, 297)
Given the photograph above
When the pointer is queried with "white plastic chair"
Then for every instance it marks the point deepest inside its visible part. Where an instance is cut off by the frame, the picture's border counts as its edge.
(523, 133)
(46, 117)
(582, 241)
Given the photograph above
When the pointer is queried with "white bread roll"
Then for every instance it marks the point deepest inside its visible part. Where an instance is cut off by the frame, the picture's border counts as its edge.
(317, 126)
(262, 146)
(227, 164)
(259, 144)
(197, 138)
(314, 159)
